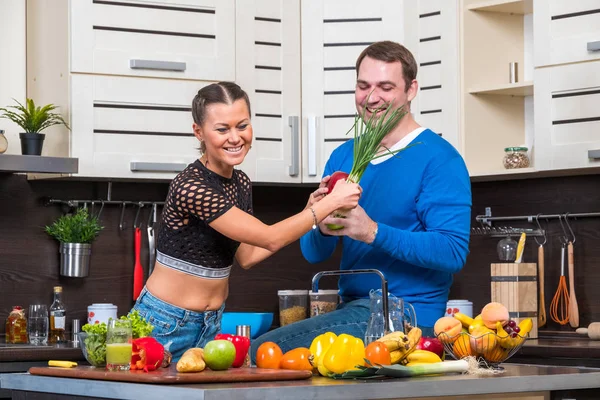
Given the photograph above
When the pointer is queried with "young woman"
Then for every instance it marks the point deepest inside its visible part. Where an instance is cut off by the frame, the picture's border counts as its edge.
(207, 222)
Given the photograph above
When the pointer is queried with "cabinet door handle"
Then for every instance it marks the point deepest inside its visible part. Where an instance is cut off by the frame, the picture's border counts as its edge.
(594, 154)
(138, 166)
(157, 65)
(593, 46)
(312, 146)
(295, 167)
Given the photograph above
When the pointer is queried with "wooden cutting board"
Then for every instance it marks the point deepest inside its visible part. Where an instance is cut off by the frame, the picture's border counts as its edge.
(171, 376)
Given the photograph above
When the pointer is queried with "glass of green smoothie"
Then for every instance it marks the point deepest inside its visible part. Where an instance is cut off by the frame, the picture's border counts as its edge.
(118, 345)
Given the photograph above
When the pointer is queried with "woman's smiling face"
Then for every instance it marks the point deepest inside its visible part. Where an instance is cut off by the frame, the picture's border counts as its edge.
(227, 134)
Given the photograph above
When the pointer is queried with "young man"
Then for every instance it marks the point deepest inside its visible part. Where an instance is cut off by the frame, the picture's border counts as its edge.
(413, 218)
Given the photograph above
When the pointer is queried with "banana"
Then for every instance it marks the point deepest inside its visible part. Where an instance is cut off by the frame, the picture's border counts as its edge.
(414, 336)
(395, 341)
(422, 356)
(396, 356)
(505, 340)
(465, 320)
(525, 326)
(63, 364)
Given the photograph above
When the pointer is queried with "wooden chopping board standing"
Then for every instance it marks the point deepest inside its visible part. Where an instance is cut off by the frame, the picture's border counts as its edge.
(171, 376)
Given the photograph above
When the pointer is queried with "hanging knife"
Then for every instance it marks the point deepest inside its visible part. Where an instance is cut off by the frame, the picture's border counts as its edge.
(151, 242)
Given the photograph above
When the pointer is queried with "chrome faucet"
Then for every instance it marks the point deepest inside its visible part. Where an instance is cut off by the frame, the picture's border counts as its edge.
(384, 288)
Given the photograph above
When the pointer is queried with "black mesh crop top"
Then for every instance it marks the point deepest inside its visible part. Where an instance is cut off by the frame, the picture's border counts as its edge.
(196, 197)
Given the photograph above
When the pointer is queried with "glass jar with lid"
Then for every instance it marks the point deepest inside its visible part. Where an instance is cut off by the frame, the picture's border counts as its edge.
(515, 157)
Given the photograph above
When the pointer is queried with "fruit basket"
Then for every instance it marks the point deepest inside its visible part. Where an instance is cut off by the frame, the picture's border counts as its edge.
(489, 348)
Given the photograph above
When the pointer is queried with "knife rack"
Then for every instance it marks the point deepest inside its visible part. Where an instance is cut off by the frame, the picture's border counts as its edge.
(515, 286)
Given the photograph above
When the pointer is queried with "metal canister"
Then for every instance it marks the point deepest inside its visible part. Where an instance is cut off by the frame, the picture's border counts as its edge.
(76, 327)
(245, 330)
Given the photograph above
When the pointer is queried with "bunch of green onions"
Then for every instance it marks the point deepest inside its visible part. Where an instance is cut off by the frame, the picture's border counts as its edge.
(368, 134)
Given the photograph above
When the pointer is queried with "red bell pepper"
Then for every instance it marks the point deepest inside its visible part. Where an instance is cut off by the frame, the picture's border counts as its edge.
(241, 344)
(146, 354)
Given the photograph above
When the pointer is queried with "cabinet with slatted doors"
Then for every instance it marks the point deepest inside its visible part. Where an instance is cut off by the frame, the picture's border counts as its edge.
(567, 123)
(566, 31)
(431, 36)
(297, 60)
(124, 73)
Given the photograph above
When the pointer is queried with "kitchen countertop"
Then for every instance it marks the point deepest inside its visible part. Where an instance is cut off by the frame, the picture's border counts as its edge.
(28, 352)
(515, 379)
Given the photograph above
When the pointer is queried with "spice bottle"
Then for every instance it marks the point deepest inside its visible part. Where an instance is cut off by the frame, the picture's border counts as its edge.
(58, 318)
(16, 326)
(244, 330)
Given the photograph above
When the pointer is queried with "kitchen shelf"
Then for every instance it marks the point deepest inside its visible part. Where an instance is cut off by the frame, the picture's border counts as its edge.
(520, 89)
(520, 7)
(49, 165)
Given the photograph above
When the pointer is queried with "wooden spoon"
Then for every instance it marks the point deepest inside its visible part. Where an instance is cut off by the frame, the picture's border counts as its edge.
(573, 308)
(542, 301)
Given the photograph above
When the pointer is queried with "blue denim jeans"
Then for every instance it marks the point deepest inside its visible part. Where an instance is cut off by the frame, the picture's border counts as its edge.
(176, 328)
(350, 318)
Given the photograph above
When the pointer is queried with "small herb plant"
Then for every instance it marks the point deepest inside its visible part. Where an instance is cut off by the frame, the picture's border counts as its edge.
(75, 228)
(31, 118)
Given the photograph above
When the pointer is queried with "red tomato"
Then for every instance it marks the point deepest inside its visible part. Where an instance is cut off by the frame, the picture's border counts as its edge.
(268, 355)
(378, 353)
(299, 358)
(335, 177)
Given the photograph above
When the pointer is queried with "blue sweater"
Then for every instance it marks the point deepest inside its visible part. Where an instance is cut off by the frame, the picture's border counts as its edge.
(421, 201)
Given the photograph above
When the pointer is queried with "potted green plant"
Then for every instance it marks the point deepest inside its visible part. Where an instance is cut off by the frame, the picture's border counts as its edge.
(33, 120)
(75, 232)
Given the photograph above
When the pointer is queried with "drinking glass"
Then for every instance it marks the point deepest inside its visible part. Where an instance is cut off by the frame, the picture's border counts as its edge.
(118, 345)
(37, 324)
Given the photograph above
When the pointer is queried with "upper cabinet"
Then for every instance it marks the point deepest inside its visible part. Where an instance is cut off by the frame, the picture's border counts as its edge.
(187, 39)
(496, 111)
(432, 37)
(567, 56)
(568, 123)
(566, 31)
(125, 74)
(297, 60)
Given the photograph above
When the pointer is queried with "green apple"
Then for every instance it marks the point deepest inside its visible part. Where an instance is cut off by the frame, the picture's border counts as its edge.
(219, 354)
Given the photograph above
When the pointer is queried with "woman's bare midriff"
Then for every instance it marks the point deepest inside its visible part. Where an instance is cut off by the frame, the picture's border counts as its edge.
(187, 291)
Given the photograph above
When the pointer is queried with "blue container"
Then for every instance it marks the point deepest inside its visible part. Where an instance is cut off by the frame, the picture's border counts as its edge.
(259, 322)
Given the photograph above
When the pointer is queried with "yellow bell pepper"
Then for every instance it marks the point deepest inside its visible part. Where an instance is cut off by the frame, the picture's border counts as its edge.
(344, 354)
(319, 347)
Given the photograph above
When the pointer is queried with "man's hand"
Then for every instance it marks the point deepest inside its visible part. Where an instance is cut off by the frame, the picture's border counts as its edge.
(357, 225)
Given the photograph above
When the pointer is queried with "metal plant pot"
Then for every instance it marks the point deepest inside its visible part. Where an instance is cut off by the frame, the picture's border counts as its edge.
(75, 259)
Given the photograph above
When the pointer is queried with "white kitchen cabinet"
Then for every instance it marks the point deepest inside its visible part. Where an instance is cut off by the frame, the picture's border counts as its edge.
(126, 127)
(432, 37)
(187, 39)
(564, 30)
(567, 120)
(126, 122)
(296, 59)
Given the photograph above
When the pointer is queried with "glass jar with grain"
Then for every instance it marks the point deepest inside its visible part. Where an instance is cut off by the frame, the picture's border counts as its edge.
(515, 157)
(293, 306)
(323, 301)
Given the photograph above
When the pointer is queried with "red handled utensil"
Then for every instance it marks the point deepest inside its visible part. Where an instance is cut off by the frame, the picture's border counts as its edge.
(138, 272)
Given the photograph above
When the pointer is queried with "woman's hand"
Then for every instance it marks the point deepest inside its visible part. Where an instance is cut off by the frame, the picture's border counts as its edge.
(346, 194)
(318, 194)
